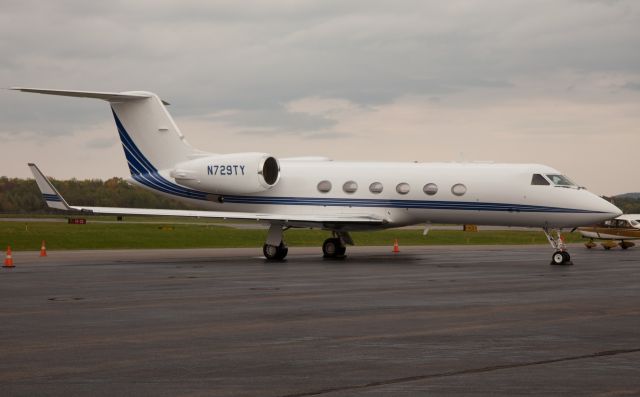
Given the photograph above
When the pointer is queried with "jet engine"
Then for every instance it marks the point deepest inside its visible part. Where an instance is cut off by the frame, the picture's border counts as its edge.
(237, 173)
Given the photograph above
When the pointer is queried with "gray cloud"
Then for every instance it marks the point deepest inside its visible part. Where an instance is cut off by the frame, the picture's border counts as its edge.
(254, 57)
(101, 143)
(276, 119)
(632, 86)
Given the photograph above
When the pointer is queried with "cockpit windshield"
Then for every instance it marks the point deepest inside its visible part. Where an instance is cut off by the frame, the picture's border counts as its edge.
(560, 180)
(538, 179)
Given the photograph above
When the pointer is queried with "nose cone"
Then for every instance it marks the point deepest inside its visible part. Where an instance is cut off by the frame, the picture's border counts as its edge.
(607, 209)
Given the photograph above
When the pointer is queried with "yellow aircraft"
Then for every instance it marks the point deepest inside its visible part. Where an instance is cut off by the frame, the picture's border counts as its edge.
(613, 232)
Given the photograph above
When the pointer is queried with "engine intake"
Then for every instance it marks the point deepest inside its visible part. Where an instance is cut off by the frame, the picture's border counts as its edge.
(237, 173)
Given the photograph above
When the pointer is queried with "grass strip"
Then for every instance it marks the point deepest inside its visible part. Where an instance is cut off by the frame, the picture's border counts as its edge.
(62, 236)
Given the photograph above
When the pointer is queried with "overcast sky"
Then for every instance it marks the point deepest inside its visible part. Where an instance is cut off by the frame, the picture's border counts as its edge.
(552, 82)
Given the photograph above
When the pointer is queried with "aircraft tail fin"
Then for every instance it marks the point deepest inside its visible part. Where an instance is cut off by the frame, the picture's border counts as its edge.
(150, 138)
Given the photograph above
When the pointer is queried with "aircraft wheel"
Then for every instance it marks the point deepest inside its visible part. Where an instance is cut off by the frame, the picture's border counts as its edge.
(557, 258)
(561, 258)
(275, 252)
(626, 244)
(333, 248)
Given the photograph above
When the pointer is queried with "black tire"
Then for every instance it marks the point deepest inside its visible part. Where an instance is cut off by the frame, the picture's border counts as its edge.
(333, 248)
(567, 257)
(329, 248)
(275, 252)
(270, 251)
(558, 258)
(283, 250)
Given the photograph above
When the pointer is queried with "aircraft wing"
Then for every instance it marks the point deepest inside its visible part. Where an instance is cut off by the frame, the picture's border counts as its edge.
(55, 200)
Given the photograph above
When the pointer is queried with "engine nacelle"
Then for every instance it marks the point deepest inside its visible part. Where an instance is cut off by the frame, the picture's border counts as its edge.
(237, 173)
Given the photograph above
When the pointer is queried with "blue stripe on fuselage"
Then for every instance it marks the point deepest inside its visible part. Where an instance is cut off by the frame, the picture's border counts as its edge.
(145, 173)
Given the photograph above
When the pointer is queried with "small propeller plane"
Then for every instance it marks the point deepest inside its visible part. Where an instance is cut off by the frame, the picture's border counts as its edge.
(337, 196)
(613, 232)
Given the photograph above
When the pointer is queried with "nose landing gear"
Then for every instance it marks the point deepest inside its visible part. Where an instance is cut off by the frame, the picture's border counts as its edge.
(561, 256)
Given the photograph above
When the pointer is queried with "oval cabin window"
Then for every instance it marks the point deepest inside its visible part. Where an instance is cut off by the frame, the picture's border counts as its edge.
(375, 187)
(350, 187)
(458, 189)
(324, 186)
(430, 189)
(403, 188)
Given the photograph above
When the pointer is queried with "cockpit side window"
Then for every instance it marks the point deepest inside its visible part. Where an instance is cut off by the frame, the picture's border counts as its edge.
(538, 179)
(560, 180)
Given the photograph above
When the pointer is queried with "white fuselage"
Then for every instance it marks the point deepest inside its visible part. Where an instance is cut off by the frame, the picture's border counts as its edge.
(496, 194)
(251, 185)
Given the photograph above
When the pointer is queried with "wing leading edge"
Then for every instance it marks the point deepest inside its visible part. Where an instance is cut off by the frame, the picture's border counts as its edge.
(55, 200)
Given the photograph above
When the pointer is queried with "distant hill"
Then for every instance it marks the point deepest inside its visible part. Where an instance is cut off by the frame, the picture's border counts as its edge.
(631, 196)
(22, 195)
(629, 203)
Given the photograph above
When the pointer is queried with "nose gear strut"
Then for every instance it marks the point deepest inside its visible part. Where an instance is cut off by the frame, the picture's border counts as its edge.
(560, 256)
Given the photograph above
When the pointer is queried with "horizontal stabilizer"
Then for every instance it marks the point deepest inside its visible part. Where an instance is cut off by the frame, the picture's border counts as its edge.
(106, 96)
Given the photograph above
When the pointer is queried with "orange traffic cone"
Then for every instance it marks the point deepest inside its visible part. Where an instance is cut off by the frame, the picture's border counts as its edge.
(8, 260)
(43, 249)
(396, 248)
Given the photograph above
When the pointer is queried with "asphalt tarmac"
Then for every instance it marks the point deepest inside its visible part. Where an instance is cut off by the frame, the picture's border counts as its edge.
(223, 322)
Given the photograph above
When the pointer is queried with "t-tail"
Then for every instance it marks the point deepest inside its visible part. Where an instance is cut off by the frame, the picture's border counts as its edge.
(151, 140)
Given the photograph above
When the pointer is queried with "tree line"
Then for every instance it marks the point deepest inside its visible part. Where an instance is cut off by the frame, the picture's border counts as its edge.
(23, 196)
(629, 205)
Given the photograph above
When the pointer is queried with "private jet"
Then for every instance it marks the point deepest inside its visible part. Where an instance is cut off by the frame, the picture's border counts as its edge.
(337, 196)
(612, 232)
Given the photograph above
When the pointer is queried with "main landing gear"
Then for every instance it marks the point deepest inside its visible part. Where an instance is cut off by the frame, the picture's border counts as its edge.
(274, 249)
(275, 252)
(561, 256)
(336, 246)
(333, 248)
(608, 244)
